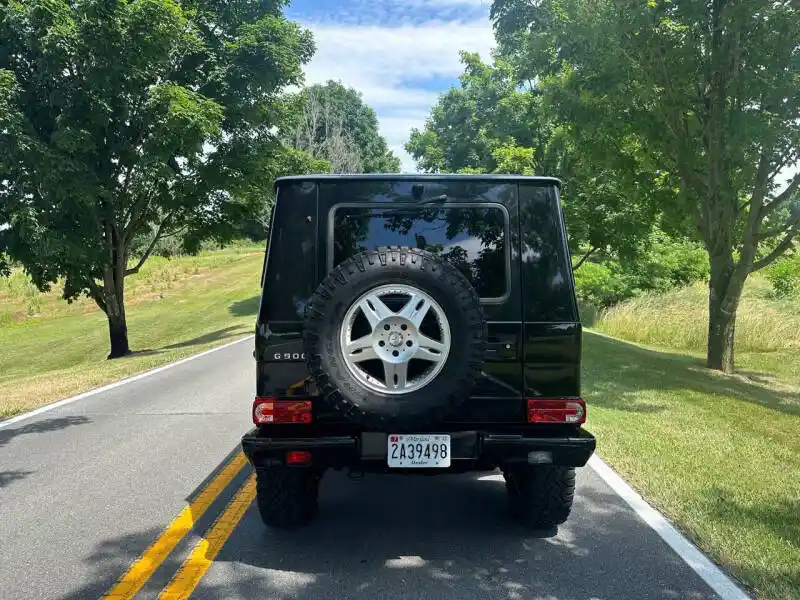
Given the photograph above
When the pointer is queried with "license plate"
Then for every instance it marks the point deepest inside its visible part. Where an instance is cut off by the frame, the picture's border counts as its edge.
(419, 451)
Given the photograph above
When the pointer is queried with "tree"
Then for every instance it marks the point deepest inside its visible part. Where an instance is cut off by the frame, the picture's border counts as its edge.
(123, 116)
(498, 121)
(709, 91)
(335, 125)
(254, 224)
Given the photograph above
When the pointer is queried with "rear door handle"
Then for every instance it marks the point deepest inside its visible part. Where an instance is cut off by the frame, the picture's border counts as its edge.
(501, 348)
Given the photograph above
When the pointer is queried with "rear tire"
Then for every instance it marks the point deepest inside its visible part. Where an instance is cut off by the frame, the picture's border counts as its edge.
(540, 497)
(287, 498)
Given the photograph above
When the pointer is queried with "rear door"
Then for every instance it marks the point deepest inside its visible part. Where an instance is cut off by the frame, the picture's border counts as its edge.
(289, 279)
(552, 330)
(472, 223)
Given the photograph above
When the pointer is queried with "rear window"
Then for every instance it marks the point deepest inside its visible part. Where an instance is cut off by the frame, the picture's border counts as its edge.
(474, 239)
(291, 275)
(546, 268)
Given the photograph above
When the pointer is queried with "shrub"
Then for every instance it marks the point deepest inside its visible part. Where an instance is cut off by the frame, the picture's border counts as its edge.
(167, 247)
(599, 284)
(784, 276)
(666, 264)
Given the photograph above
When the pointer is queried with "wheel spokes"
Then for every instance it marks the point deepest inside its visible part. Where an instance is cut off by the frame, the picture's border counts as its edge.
(429, 349)
(396, 375)
(374, 309)
(415, 309)
(395, 339)
(361, 349)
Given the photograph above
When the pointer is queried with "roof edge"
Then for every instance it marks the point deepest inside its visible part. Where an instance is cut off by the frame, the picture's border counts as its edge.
(419, 177)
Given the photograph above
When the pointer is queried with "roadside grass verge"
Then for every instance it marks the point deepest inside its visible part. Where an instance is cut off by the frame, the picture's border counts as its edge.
(50, 349)
(679, 319)
(719, 455)
(767, 347)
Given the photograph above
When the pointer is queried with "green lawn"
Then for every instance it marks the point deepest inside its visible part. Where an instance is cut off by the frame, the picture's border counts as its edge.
(50, 349)
(719, 455)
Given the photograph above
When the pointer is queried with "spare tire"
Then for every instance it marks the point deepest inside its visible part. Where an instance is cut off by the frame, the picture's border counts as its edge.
(395, 337)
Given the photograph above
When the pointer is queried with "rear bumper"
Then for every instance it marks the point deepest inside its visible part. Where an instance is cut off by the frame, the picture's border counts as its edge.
(470, 450)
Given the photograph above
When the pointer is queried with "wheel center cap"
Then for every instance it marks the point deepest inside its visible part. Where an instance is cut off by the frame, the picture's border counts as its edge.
(395, 339)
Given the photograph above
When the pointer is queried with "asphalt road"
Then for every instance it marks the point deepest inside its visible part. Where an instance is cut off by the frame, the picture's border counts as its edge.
(86, 488)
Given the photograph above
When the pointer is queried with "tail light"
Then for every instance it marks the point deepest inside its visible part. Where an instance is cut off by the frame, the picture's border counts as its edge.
(270, 410)
(556, 410)
(298, 457)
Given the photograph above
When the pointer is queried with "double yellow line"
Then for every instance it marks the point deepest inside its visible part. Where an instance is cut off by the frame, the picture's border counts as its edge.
(205, 551)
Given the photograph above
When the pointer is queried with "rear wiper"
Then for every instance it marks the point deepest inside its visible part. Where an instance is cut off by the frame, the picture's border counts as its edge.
(420, 202)
(442, 198)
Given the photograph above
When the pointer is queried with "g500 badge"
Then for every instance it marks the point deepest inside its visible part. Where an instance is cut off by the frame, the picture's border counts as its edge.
(288, 356)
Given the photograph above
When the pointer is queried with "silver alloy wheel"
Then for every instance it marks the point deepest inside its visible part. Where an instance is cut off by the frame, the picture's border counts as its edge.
(395, 339)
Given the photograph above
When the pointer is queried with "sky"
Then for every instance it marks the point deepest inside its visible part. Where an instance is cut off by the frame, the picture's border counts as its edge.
(400, 54)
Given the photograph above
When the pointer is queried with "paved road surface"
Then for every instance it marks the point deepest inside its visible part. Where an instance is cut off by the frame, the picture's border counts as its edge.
(85, 489)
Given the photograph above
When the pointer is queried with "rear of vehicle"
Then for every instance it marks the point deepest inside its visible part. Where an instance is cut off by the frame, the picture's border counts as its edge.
(418, 324)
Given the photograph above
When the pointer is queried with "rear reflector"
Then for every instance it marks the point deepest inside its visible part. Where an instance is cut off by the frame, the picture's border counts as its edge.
(270, 410)
(298, 457)
(556, 410)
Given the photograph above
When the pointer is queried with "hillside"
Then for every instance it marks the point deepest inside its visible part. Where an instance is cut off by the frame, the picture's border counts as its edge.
(767, 329)
(176, 307)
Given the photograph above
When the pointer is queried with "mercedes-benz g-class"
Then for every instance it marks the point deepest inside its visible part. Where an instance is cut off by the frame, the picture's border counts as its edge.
(418, 324)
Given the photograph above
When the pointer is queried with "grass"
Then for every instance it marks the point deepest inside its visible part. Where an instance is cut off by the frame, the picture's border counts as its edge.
(679, 319)
(51, 349)
(719, 455)
(767, 346)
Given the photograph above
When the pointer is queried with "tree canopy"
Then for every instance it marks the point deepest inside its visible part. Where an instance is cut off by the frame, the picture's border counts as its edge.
(335, 125)
(498, 121)
(130, 116)
(667, 115)
(707, 92)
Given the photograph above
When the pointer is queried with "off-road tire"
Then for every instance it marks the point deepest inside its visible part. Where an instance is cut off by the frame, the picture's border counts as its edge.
(540, 497)
(468, 332)
(287, 497)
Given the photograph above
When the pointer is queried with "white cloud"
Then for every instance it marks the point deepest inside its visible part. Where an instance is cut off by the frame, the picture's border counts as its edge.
(391, 12)
(396, 130)
(397, 68)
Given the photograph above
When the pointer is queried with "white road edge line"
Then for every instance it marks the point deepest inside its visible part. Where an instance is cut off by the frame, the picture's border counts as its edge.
(691, 554)
(116, 384)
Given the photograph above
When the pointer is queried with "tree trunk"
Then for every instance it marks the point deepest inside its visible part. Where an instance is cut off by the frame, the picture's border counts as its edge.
(724, 291)
(118, 335)
(721, 329)
(114, 299)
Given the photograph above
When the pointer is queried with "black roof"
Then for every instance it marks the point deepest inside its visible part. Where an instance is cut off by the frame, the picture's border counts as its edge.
(418, 177)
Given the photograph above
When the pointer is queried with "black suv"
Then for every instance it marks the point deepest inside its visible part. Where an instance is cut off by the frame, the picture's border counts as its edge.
(418, 324)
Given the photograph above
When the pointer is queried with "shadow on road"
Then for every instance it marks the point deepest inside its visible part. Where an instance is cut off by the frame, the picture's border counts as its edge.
(41, 426)
(113, 557)
(616, 380)
(447, 538)
(7, 477)
(213, 336)
(110, 559)
(416, 537)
